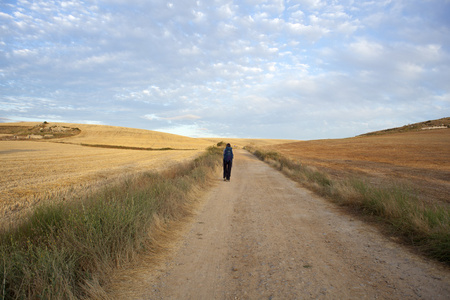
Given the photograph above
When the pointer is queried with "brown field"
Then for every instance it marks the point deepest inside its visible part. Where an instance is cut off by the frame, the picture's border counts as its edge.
(35, 170)
(240, 143)
(418, 158)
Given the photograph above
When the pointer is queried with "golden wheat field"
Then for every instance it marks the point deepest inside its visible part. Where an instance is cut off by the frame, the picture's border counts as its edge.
(419, 158)
(34, 170)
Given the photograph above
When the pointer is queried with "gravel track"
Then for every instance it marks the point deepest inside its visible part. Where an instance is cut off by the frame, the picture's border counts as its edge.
(262, 236)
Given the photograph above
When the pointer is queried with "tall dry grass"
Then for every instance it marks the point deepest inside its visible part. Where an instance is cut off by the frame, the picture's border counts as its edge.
(67, 250)
(395, 204)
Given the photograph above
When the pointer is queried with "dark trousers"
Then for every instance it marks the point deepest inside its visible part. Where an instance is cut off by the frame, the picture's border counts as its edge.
(227, 169)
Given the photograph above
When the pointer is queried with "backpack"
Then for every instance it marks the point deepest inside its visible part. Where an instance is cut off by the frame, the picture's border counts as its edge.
(228, 154)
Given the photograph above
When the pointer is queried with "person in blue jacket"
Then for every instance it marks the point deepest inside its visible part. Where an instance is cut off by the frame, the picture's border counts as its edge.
(227, 162)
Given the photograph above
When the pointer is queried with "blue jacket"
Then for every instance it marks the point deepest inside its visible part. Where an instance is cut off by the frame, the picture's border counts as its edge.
(228, 154)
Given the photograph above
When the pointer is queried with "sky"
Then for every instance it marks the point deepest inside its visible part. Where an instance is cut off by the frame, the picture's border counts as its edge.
(292, 69)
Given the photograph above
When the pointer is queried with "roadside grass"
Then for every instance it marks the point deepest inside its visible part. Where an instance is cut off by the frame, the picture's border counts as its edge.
(63, 250)
(423, 225)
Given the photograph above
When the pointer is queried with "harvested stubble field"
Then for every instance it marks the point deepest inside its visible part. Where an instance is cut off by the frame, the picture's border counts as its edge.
(418, 158)
(33, 171)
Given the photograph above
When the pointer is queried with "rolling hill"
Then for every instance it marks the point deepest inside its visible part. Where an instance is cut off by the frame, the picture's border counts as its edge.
(427, 125)
(100, 135)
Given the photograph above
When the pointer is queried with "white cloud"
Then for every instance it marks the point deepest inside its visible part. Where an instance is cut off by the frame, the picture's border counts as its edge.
(249, 68)
(173, 118)
(366, 50)
(151, 117)
(5, 16)
(310, 4)
(184, 117)
(225, 11)
(409, 71)
(274, 7)
(24, 53)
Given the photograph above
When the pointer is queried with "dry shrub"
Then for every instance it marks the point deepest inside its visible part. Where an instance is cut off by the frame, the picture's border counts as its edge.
(346, 194)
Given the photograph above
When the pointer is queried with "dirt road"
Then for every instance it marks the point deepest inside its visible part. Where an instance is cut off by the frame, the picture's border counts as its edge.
(261, 236)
